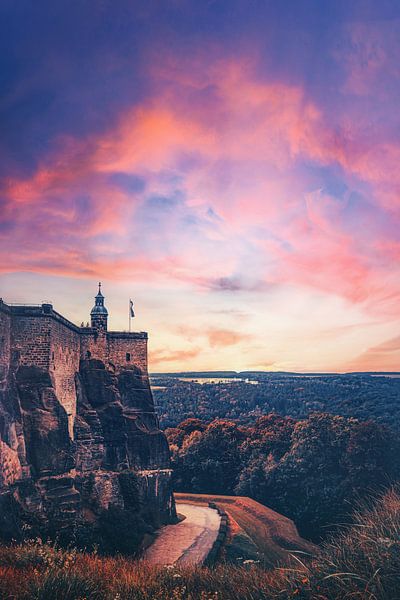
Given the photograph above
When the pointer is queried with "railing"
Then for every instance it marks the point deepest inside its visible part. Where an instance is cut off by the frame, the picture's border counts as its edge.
(21, 304)
(215, 552)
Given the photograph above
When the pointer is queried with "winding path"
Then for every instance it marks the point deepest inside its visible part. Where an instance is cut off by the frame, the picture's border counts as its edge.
(187, 542)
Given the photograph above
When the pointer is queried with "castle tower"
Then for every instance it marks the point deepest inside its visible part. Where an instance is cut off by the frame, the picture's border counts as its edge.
(99, 313)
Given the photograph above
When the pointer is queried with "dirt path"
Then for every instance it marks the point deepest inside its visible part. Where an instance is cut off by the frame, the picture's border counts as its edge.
(275, 535)
(187, 542)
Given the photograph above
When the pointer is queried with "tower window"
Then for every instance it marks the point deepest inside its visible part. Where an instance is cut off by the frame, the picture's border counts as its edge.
(128, 357)
(88, 354)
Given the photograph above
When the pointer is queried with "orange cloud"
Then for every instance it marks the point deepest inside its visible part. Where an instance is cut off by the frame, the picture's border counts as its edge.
(224, 337)
(383, 357)
(157, 357)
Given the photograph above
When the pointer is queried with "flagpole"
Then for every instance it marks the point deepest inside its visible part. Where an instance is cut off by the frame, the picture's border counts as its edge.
(131, 313)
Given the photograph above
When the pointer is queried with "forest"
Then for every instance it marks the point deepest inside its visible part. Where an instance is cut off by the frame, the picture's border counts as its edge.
(313, 470)
(362, 395)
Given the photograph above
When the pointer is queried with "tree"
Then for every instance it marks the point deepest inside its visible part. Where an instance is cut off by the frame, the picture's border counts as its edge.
(211, 460)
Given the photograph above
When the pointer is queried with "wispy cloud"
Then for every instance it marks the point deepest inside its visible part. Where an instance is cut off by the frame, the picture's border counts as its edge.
(226, 337)
(158, 357)
(383, 357)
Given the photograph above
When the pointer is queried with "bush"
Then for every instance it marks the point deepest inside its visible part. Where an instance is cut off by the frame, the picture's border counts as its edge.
(121, 531)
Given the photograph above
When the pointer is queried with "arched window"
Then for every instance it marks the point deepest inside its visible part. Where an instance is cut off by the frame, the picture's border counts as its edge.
(88, 354)
(128, 357)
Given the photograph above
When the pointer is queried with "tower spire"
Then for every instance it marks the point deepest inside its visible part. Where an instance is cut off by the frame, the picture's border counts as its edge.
(99, 313)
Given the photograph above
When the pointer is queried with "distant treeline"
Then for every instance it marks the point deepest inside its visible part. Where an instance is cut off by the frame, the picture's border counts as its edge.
(268, 374)
(364, 396)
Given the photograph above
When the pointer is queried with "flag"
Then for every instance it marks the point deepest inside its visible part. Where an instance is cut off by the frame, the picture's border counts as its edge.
(131, 311)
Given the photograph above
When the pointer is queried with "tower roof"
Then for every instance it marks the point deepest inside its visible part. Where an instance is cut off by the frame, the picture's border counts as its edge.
(99, 308)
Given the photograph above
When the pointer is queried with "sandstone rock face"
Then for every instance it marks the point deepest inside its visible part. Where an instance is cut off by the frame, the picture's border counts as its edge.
(110, 481)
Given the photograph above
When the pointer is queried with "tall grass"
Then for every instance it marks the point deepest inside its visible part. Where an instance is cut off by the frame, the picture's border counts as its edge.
(362, 562)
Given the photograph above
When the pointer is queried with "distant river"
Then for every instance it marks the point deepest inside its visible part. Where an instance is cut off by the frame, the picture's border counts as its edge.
(203, 380)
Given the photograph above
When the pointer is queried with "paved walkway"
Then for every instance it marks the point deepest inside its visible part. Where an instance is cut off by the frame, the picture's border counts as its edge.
(187, 542)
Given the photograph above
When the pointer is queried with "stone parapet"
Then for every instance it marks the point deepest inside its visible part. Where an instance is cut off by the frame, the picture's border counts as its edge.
(127, 335)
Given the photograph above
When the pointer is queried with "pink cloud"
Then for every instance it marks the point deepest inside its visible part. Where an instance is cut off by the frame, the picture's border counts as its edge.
(230, 142)
(325, 257)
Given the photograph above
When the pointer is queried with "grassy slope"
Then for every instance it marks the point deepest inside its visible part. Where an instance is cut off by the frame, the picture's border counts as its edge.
(273, 534)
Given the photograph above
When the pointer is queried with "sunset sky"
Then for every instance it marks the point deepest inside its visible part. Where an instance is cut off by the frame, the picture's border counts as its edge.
(233, 166)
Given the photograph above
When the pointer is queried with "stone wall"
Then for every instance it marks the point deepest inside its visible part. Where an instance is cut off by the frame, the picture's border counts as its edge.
(42, 338)
(118, 349)
(126, 349)
(30, 339)
(94, 344)
(64, 363)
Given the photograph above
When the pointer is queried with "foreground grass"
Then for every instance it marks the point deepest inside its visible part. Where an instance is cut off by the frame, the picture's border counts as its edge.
(360, 563)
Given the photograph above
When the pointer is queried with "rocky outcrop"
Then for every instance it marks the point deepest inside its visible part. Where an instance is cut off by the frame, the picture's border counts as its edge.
(107, 485)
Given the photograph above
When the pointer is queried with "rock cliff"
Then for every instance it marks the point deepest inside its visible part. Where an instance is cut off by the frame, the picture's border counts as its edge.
(108, 484)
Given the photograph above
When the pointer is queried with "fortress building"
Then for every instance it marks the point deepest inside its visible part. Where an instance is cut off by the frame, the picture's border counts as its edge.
(79, 435)
(38, 335)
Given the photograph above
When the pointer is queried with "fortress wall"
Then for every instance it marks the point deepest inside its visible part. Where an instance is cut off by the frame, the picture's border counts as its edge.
(30, 340)
(39, 336)
(64, 363)
(5, 341)
(122, 344)
(96, 344)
